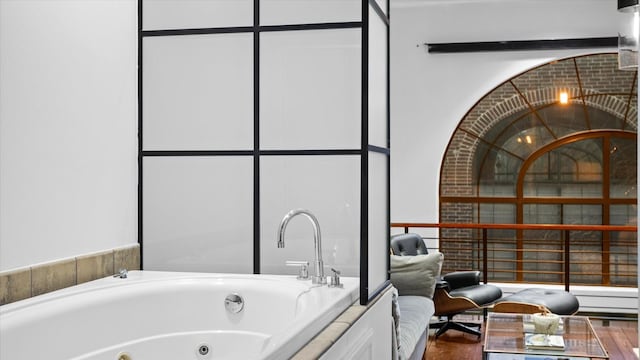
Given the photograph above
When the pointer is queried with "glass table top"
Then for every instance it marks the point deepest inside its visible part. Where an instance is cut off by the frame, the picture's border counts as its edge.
(505, 333)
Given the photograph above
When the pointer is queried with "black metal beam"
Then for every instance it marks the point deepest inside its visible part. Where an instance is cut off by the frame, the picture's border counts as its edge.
(521, 45)
(623, 4)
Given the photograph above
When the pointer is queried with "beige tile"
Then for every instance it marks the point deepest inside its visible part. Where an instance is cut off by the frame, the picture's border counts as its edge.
(53, 276)
(323, 341)
(313, 350)
(95, 266)
(15, 285)
(333, 331)
(352, 314)
(127, 258)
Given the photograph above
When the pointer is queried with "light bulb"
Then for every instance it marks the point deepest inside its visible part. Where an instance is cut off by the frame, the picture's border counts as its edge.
(564, 98)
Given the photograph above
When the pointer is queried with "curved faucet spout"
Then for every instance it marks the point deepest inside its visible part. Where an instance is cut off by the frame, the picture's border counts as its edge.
(319, 278)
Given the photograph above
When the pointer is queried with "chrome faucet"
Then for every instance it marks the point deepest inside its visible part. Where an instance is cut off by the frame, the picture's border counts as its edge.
(319, 277)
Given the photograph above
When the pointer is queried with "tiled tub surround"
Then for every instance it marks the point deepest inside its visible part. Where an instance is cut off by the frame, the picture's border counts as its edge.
(39, 279)
(330, 335)
(175, 315)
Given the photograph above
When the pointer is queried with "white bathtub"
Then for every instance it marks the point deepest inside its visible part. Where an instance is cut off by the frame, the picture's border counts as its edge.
(163, 315)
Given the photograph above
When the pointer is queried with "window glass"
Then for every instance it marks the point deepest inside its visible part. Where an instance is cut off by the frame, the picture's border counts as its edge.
(570, 171)
(622, 172)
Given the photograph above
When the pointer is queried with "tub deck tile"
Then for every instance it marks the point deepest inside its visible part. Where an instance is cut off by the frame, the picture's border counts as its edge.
(53, 276)
(352, 314)
(95, 266)
(15, 285)
(313, 350)
(127, 258)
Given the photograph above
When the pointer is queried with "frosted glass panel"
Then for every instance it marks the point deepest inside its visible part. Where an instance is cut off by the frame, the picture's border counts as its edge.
(310, 89)
(280, 12)
(198, 92)
(378, 220)
(191, 14)
(328, 186)
(198, 214)
(378, 134)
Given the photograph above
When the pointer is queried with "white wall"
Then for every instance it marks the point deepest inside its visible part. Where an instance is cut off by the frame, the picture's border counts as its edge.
(68, 117)
(68, 128)
(430, 93)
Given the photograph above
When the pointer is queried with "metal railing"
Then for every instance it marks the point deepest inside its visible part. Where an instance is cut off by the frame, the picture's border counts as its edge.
(603, 255)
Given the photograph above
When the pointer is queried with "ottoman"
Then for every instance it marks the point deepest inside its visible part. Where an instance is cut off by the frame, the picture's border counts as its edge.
(535, 300)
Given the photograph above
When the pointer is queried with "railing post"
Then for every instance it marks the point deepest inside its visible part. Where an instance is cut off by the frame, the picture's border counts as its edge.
(567, 259)
(485, 262)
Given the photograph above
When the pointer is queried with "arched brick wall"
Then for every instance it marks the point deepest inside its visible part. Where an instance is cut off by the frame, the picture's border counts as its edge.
(603, 87)
(592, 81)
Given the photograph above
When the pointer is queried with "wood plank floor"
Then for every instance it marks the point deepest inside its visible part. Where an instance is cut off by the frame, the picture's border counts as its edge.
(619, 337)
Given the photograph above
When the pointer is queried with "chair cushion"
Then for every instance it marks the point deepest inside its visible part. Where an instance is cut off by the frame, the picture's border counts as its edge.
(557, 301)
(415, 313)
(416, 275)
(482, 294)
(460, 279)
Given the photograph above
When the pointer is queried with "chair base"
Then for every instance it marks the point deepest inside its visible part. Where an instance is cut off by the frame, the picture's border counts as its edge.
(467, 327)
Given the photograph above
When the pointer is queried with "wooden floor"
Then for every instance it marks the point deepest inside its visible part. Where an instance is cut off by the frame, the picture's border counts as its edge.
(619, 337)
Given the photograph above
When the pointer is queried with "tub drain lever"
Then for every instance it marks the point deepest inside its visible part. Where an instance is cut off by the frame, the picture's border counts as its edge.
(234, 303)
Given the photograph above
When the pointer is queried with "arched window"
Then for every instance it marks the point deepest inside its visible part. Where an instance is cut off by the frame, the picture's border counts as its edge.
(554, 145)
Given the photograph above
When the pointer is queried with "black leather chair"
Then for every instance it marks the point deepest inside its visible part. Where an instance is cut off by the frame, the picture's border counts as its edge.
(534, 300)
(455, 293)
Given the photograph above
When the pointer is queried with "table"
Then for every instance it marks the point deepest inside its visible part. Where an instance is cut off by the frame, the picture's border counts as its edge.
(504, 339)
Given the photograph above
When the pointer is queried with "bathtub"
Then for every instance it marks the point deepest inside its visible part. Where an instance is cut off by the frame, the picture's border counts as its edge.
(169, 315)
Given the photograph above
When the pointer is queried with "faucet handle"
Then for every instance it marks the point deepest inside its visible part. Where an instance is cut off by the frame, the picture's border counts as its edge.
(304, 268)
(335, 279)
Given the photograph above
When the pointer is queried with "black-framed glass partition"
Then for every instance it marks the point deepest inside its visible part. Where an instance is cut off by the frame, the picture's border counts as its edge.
(252, 108)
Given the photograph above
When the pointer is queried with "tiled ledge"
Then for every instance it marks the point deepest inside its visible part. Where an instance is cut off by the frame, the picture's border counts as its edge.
(39, 279)
(327, 337)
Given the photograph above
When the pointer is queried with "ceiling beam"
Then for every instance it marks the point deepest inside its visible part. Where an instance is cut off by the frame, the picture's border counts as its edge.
(522, 45)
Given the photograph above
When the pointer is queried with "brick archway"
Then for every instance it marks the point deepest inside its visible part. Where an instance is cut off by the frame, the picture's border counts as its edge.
(591, 81)
(510, 98)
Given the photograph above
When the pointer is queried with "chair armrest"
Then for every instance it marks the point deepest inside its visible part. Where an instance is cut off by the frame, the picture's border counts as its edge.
(460, 279)
(442, 284)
